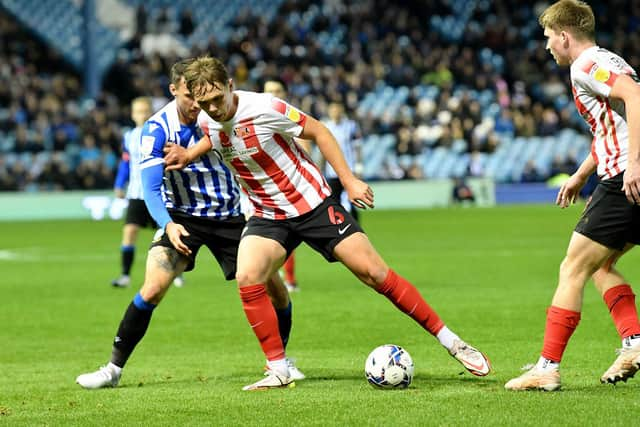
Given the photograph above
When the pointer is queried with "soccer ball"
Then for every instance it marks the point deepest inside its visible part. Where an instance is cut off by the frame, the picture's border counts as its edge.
(389, 366)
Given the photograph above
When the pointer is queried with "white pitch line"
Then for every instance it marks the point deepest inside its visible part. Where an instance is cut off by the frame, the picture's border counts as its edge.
(38, 255)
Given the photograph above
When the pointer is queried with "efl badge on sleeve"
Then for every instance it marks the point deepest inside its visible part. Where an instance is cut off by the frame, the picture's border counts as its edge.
(146, 145)
(602, 75)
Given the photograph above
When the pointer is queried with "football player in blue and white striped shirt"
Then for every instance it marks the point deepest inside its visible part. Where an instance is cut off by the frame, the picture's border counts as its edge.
(128, 175)
(198, 205)
(347, 133)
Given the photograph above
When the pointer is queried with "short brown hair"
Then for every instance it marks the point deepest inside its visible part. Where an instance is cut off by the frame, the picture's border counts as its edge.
(573, 16)
(203, 70)
(178, 69)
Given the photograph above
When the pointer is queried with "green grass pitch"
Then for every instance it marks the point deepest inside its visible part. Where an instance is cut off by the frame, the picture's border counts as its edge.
(490, 273)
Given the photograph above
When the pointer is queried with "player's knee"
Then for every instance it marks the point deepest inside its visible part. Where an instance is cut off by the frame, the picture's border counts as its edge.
(242, 278)
(577, 267)
(374, 275)
(152, 292)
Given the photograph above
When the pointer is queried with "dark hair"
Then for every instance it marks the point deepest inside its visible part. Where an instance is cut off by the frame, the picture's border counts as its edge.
(178, 69)
(203, 70)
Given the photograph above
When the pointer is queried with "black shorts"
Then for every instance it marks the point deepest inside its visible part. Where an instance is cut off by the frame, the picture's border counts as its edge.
(137, 213)
(609, 218)
(221, 236)
(322, 228)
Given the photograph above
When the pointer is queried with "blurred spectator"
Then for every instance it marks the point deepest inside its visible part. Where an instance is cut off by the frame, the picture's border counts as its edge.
(531, 174)
(462, 192)
(561, 165)
(186, 23)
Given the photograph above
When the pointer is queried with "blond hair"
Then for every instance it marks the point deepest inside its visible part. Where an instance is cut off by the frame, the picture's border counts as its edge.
(573, 16)
(203, 70)
(142, 100)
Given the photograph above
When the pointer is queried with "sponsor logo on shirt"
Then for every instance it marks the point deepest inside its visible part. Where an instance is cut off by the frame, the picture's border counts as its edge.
(230, 153)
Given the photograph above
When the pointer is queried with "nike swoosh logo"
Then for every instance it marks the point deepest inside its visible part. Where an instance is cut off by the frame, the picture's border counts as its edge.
(341, 231)
(474, 366)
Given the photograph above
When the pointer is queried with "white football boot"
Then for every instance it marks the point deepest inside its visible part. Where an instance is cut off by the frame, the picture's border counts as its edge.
(106, 376)
(121, 282)
(271, 380)
(471, 358)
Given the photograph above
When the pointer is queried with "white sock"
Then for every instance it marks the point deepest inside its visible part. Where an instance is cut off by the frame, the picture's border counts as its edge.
(547, 365)
(447, 338)
(117, 370)
(631, 341)
(279, 366)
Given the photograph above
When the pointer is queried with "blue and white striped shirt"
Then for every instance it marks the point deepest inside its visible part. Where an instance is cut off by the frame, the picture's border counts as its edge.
(132, 146)
(205, 188)
(346, 133)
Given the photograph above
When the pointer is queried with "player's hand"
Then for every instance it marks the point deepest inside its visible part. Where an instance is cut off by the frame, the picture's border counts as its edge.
(175, 232)
(119, 193)
(175, 157)
(569, 191)
(631, 182)
(360, 194)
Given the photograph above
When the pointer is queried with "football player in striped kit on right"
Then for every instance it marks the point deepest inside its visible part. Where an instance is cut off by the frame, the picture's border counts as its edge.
(606, 93)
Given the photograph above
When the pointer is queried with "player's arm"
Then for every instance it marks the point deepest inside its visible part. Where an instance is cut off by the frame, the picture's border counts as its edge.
(305, 144)
(569, 191)
(177, 157)
(360, 194)
(152, 175)
(628, 90)
(357, 141)
(122, 175)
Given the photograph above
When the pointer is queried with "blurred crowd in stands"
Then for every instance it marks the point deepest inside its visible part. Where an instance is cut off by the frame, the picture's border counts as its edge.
(488, 75)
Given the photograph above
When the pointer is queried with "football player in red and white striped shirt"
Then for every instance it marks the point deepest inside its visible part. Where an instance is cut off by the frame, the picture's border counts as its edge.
(254, 133)
(606, 93)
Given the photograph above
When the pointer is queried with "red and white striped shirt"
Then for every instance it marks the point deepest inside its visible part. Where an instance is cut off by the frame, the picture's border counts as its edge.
(592, 76)
(258, 145)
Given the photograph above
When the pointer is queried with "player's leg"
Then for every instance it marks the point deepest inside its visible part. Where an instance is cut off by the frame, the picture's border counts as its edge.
(289, 268)
(358, 254)
(258, 259)
(223, 240)
(127, 254)
(137, 216)
(163, 265)
(279, 295)
(620, 300)
(584, 257)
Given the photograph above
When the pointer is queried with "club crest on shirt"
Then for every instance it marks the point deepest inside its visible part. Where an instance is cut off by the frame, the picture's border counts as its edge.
(242, 131)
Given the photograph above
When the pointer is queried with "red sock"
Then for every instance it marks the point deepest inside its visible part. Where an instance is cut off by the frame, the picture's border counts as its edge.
(560, 326)
(262, 318)
(407, 298)
(622, 305)
(289, 269)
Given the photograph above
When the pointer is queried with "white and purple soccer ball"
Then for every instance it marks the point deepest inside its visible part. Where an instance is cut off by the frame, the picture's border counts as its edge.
(389, 366)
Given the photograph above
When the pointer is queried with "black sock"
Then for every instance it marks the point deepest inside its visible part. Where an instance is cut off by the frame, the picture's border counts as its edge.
(132, 328)
(128, 252)
(284, 323)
